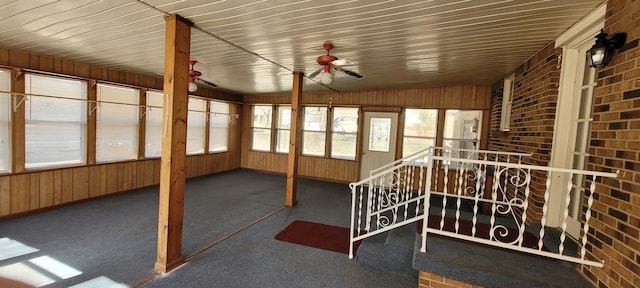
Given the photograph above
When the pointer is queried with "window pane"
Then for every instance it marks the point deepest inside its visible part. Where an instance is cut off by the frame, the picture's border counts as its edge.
(218, 126)
(261, 139)
(345, 120)
(117, 124)
(54, 144)
(283, 141)
(315, 118)
(153, 131)
(345, 128)
(283, 124)
(461, 130)
(5, 118)
(54, 127)
(343, 145)
(419, 130)
(219, 107)
(412, 145)
(313, 143)
(284, 117)
(196, 122)
(262, 116)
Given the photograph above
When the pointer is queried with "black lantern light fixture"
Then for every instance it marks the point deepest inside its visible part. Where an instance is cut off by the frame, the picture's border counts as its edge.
(601, 53)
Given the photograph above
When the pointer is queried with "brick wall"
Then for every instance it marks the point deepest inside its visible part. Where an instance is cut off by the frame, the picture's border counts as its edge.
(427, 280)
(615, 142)
(615, 145)
(532, 117)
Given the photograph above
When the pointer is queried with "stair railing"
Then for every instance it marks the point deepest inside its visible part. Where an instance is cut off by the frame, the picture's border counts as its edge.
(394, 195)
(515, 197)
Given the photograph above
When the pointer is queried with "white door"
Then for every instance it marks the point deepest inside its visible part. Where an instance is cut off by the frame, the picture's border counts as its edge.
(581, 127)
(379, 144)
(573, 128)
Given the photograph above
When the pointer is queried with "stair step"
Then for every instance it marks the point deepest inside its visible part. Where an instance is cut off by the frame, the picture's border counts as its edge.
(390, 251)
(490, 267)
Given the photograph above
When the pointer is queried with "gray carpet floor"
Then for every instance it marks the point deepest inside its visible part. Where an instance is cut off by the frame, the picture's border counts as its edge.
(115, 237)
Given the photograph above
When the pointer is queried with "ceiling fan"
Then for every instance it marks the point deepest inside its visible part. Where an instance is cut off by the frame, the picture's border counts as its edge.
(328, 62)
(194, 77)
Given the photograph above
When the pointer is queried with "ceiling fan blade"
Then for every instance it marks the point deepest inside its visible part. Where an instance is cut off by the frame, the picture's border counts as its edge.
(314, 74)
(208, 83)
(351, 73)
(342, 62)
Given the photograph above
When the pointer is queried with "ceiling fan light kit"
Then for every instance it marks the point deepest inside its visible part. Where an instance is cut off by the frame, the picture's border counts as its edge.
(194, 76)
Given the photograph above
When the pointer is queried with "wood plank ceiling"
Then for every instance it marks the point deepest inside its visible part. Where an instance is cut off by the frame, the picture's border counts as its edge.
(252, 47)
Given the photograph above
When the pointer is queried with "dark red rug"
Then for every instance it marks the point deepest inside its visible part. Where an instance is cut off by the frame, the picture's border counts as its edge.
(482, 231)
(318, 235)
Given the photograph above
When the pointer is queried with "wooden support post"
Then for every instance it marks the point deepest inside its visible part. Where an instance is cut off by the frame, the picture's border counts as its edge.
(174, 135)
(18, 122)
(142, 124)
(294, 139)
(92, 120)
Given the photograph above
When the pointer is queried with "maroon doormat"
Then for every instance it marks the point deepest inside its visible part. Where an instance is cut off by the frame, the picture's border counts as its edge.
(317, 235)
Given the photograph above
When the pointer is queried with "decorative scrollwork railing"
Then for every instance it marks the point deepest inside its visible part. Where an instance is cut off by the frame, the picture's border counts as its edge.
(394, 194)
(487, 197)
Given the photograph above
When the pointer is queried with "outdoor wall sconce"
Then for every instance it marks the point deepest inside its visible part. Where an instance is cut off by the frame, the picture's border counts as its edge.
(601, 53)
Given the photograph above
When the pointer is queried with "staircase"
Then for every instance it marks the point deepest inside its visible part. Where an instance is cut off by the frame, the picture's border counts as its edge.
(390, 251)
(398, 251)
(481, 201)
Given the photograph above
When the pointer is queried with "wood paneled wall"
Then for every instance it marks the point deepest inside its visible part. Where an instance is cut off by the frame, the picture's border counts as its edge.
(455, 97)
(26, 191)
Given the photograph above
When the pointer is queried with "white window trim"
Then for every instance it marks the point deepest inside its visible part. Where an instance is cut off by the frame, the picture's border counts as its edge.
(507, 102)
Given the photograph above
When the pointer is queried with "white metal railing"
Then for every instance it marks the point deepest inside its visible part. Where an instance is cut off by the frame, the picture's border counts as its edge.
(490, 198)
(394, 194)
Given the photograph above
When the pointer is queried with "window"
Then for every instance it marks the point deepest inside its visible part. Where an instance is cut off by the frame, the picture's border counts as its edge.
(283, 125)
(419, 130)
(218, 126)
(261, 128)
(5, 120)
(344, 133)
(196, 122)
(314, 131)
(54, 127)
(117, 123)
(507, 100)
(153, 130)
(461, 131)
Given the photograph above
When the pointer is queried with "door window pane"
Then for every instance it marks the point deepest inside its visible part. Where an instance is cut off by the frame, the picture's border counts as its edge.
(379, 134)
(196, 122)
(344, 133)
(5, 118)
(153, 130)
(314, 132)
(117, 123)
(218, 126)
(261, 128)
(54, 127)
(419, 130)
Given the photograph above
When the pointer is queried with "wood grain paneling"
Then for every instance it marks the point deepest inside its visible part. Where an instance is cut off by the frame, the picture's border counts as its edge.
(24, 191)
(455, 97)
(5, 195)
(20, 192)
(80, 183)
